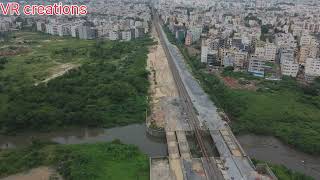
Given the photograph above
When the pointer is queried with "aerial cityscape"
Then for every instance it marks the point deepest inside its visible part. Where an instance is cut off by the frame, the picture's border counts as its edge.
(160, 90)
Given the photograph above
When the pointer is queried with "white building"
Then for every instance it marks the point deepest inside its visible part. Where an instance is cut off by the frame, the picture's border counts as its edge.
(305, 39)
(204, 52)
(266, 51)
(270, 52)
(288, 65)
(114, 35)
(285, 40)
(289, 68)
(126, 35)
(256, 66)
(312, 67)
(229, 60)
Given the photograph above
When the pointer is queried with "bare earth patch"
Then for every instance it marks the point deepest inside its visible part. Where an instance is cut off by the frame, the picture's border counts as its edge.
(235, 84)
(40, 173)
(163, 89)
(59, 70)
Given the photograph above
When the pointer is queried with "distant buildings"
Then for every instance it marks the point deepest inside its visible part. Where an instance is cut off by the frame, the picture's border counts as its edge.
(122, 22)
(249, 34)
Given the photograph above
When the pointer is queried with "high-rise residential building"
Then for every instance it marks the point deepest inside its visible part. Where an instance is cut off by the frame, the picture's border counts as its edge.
(266, 51)
(114, 35)
(270, 52)
(312, 68)
(228, 60)
(126, 35)
(188, 39)
(256, 66)
(240, 59)
(305, 39)
(87, 32)
(308, 51)
(289, 67)
(204, 51)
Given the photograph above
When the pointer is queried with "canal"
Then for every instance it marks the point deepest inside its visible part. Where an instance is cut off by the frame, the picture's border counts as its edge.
(132, 134)
(272, 150)
(259, 147)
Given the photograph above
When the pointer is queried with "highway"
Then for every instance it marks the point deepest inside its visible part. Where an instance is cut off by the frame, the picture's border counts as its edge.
(214, 173)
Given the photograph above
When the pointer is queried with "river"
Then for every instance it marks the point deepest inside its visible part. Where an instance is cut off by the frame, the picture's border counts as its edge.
(272, 150)
(260, 147)
(132, 134)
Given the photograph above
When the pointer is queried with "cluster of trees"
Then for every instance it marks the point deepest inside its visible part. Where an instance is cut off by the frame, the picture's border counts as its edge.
(170, 36)
(3, 61)
(109, 89)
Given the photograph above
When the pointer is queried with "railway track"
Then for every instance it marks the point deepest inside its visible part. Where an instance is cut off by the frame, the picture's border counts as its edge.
(214, 173)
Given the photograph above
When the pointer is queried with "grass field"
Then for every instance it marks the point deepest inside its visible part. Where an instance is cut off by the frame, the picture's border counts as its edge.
(102, 161)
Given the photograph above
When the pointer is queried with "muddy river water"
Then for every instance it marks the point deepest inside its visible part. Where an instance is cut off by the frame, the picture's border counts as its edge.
(260, 147)
(132, 134)
(272, 150)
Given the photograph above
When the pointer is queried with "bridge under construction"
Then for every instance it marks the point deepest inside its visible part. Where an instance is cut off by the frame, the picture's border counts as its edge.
(220, 155)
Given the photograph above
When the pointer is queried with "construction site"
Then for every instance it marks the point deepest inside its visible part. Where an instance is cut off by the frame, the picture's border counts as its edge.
(200, 143)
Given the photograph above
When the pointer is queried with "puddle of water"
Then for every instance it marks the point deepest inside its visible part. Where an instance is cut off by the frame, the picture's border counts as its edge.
(272, 150)
(132, 134)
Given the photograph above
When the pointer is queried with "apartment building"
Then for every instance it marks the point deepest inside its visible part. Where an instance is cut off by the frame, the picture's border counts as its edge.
(312, 68)
(256, 66)
(289, 67)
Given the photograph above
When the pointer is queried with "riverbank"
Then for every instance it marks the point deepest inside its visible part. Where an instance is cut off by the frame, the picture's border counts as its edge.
(272, 150)
(134, 134)
(86, 161)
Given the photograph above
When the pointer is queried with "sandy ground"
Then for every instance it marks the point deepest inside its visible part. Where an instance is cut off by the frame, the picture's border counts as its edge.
(40, 173)
(165, 103)
(59, 70)
(176, 168)
(235, 83)
(163, 89)
(160, 170)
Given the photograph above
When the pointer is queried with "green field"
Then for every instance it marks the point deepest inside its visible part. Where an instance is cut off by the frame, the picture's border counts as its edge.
(102, 161)
(282, 109)
(108, 87)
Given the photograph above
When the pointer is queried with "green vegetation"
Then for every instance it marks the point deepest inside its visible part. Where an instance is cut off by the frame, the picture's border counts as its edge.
(112, 161)
(170, 36)
(282, 109)
(109, 89)
(265, 33)
(284, 173)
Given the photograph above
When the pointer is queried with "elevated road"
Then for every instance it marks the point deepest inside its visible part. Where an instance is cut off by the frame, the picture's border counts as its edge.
(214, 172)
(232, 163)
